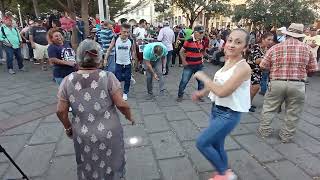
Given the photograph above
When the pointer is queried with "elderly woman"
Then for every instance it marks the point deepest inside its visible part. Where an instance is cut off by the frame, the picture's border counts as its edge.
(95, 128)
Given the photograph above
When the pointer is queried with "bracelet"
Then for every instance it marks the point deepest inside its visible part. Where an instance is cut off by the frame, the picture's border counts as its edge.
(68, 130)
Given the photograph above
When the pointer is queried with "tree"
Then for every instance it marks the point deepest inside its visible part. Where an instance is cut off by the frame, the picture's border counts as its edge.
(276, 12)
(35, 6)
(85, 15)
(193, 8)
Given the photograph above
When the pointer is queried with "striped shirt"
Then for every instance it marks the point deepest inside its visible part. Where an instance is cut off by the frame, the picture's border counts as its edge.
(290, 59)
(105, 37)
(194, 51)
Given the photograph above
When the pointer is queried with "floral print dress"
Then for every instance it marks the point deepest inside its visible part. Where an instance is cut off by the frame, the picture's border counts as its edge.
(255, 53)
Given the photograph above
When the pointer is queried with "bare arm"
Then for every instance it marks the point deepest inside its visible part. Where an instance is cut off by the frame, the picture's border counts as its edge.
(242, 74)
(61, 62)
(31, 41)
(122, 105)
(62, 113)
(183, 56)
(109, 51)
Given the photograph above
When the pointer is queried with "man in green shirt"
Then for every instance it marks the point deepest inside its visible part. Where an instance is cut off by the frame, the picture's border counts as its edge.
(154, 57)
(11, 41)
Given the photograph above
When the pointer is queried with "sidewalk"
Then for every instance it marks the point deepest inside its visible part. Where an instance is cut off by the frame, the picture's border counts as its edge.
(166, 133)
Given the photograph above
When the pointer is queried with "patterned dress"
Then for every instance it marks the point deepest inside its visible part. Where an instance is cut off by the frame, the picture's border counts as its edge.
(255, 53)
(97, 132)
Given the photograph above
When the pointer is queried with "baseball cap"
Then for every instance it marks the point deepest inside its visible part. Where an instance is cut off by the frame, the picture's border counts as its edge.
(198, 28)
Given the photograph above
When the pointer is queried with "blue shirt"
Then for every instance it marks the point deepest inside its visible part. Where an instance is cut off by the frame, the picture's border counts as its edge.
(148, 53)
(105, 37)
(64, 52)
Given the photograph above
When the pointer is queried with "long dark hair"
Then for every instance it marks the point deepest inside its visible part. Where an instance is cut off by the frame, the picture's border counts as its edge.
(265, 36)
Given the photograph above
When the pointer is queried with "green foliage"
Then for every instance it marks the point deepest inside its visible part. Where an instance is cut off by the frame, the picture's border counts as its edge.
(276, 12)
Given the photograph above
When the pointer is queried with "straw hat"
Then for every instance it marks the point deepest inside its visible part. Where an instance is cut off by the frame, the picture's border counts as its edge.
(295, 30)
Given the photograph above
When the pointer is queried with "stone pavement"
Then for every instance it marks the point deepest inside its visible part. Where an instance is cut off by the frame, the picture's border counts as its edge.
(165, 134)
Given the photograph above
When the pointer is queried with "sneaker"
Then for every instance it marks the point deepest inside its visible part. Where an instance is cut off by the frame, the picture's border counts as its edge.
(180, 65)
(133, 81)
(252, 109)
(36, 62)
(149, 97)
(44, 68)
(220, 177)
(31, 59)
(179, 99)
(172, 65)
(161, 93)
(23, 69)
(125, 97)
(264, 132)
(231, 175)
(70, 109)
(10, 71)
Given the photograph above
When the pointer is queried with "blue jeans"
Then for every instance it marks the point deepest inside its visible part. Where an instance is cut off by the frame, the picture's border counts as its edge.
(169, 59)
(111, 64)
(187, 73)
(1, 51)
(211, 141)
(123, 73)
(156, 65)
(16, 52)
(58, 80)
(264, 81)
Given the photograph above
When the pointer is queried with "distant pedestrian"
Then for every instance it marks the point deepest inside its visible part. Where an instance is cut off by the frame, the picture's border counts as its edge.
(12, 43)
(95, 97)
(230, 93)
(289, 63)
(107, 36)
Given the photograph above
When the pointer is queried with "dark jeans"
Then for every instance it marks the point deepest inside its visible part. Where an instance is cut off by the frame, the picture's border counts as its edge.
(30, 50)
(175, 54)
(16, 52)
(187, 73)
(1, 51)
(123, 73)
(211, 141)
(264, 81)
(169, 59)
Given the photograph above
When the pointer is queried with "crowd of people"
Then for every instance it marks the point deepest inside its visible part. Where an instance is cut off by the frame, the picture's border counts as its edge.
(277, 61)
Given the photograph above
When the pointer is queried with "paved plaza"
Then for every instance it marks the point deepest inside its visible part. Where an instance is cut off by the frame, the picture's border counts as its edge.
(166, 132)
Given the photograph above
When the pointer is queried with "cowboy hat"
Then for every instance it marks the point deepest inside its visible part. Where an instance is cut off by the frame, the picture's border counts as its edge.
(295, 30)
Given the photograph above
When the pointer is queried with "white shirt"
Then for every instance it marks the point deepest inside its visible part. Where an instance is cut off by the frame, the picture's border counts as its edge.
(220, 43)
(167, 37)
(123, 51)
(239, 100)
(140, 33)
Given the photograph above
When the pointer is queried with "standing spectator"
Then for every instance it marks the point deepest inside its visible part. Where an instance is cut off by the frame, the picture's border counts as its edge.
(154, 55)
(226, 33)
(313, 40)
(80, 29)
(166, 36)
(67, 24)
(280, 36)
(140, 32)
(107, 36)
(230, 93)
(61, 55)
(126, 52)
(39, 43)
(12, 42)
(95, 97)
(254, 58)
(176, 47)
(289, 63)
(191, 55)
(25, 33)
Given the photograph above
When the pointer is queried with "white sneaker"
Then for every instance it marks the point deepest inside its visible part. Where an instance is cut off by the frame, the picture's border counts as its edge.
(125, 97)
(133, 81)
(70, 109)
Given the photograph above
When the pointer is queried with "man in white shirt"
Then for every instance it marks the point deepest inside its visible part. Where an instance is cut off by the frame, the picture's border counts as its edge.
(167, 37)
(140, 32)
(280, 36)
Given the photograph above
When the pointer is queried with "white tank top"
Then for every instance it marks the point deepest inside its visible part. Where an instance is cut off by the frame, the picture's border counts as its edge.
(123, 51)
(239, 100)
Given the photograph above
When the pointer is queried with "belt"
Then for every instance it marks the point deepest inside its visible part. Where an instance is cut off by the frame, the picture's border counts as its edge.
(296, 80)
(222, 108)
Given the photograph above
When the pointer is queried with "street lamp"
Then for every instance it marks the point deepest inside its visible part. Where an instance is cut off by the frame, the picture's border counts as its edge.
(20, 15)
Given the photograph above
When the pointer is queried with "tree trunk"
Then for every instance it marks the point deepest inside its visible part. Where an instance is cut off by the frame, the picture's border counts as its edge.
(85, 16)
(35, 6)
(72, 14)
(2, 7)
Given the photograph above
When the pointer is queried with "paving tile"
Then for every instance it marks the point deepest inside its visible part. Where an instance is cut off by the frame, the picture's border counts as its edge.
(307, 142)
(63, 167)
(287, 170)
(310, 118)
(198, 160)
(248, 118)
(309, 129)
(47, 133)
(140, 164)
(23, 129)
(166, 145)
(137, 132)
(13, 145)
(199, 118)
(156, 123)
(65, 146)
(262, 151)
(301, 157)
(149, 108)
(272, 139)
(10, 97)
(188, 106)
(26, 108)
(3, 169)
(175, 115)
(240, 130)
(4, 115)
(51, 118)
(246, 167)
(185, 130)
(34, 160)
(136, 116)
(29, 99)
(177, 169)
(206, 108)
(7, 105)
(231, 144)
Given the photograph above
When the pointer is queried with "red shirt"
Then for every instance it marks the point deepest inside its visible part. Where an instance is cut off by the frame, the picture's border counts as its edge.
(194, 51)
(117, 28)
(291, 59)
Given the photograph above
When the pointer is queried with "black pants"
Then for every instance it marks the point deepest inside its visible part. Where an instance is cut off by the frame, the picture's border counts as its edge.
(318, 55)
(30, 50)
(175, 54)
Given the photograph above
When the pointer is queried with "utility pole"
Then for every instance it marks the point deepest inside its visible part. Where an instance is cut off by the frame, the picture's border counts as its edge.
(101, 10)
(107, 10)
